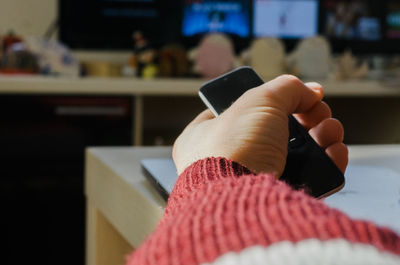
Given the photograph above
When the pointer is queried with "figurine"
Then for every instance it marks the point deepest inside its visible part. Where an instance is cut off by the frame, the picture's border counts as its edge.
(18, 60)
(214, 56)
(173, 61)
(266, 56)
(312, 58)
(53, 57)
(144, 57)
(10, 39)
(349, 68)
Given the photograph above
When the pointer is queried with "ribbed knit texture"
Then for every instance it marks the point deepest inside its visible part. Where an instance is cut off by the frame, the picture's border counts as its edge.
(217, 206)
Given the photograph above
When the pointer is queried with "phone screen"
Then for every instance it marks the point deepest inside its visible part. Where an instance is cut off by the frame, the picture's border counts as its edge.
(308, 167)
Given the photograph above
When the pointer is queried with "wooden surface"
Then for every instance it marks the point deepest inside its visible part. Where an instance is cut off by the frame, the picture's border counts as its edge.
(162, 86)
(122, 206)
(127, 208)
(106, 244)
(98, 86)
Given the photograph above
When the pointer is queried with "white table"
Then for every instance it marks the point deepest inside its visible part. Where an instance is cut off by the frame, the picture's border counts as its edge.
(123, 208)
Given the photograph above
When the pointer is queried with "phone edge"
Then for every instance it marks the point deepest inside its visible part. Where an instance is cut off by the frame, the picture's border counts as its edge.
(329, 193)
(207, 103)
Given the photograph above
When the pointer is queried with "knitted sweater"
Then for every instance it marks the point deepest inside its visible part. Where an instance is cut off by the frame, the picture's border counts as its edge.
(221, 213)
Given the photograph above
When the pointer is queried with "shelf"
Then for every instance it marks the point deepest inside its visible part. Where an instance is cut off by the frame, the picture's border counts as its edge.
(98, 86)
(163, 86)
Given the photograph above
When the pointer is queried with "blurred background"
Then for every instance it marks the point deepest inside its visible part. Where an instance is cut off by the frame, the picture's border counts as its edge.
(75, 74)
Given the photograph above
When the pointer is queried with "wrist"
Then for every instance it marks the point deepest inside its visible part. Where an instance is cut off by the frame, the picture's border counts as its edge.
(205, 171)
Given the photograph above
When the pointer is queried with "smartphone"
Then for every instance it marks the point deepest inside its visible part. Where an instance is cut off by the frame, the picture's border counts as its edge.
(308, 167)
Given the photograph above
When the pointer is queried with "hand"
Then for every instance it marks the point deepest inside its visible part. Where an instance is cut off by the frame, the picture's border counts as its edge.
(254, 130)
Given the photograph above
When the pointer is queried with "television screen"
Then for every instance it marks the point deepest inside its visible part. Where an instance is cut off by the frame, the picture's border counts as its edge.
(352, 20)
(393, 20)
(230, 17)
(110, 23)
(285, 18)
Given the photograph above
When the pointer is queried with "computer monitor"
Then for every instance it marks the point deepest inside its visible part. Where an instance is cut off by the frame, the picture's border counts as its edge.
(365, 26)
(285, 19)
(109, 24)
(231, 17)
(352, 20)
(393, 20)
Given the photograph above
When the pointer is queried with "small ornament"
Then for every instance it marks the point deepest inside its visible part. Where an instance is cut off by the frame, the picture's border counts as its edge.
(9, 39)
(173, 61)
(349, 68)
(266, 56)
(143, 55)
(312, 58)
(214, 56)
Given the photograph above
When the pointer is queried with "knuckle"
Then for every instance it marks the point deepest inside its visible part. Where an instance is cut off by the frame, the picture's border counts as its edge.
(327, 108)
(336, 123)
(339, 125)
(336, 126)
(290, 79)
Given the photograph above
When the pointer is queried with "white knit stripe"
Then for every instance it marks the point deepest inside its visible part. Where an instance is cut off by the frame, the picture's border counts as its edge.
(309, 252)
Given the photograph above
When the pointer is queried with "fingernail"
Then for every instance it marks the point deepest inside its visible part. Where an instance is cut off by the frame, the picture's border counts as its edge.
(314, 86)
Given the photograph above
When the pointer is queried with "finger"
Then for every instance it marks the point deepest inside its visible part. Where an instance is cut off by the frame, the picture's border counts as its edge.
(314, 116)
(327, 132)
(203, 116)
(291, 95)
(339, 154)
(315, 86)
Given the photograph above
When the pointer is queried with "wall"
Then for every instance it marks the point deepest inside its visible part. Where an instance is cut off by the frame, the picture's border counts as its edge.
(33, 17)
(27, 17)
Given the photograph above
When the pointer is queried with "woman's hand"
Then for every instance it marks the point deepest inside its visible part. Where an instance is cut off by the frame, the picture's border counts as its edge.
(254, 130)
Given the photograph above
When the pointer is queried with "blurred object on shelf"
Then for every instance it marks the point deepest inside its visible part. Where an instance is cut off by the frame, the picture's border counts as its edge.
(144, 56)
(266, 56)
(214, 56)
(392, 62)
(150, 71)
(129, 69)
(378, 64)
(19, 60)
(54, 58)
(173, 61)
(132, 62)
(100, 68)
(348, 67)
(312, 58)
(8, 40)
(391, 78)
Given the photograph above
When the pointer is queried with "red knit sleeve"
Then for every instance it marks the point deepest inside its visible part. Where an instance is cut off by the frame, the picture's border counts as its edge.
(218, 207)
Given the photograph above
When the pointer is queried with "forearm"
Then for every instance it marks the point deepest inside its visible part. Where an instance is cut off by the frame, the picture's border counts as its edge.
(218, 206)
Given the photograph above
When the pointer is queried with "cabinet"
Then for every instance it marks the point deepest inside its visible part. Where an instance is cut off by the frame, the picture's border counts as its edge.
(42, 141)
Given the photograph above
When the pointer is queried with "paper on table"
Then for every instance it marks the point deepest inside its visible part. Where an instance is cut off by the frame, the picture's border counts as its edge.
(371, 193)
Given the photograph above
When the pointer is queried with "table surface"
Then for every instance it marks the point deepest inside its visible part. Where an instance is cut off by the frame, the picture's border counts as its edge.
(118, 188)
(164, 86)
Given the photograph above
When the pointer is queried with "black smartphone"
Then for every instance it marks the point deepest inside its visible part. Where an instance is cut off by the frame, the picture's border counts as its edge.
(308, 167)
